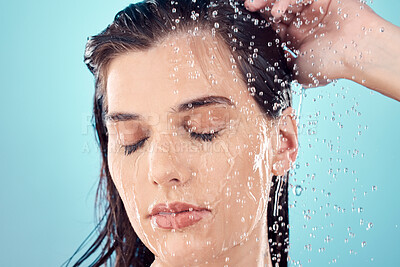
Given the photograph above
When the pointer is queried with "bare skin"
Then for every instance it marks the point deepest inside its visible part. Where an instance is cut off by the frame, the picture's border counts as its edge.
(330, 45)
(172, 166)
(337, 39)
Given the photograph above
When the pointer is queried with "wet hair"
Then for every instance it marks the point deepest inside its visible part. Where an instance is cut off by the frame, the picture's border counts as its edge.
(259, 56)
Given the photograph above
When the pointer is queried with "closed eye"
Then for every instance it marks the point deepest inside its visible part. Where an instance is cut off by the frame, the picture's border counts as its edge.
(206, 137)
(132, 148)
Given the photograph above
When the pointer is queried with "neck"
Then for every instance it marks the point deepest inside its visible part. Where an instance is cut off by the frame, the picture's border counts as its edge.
(254, 251)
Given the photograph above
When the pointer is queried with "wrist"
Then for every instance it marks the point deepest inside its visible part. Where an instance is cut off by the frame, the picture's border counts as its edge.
(374, 58)
(362, 34)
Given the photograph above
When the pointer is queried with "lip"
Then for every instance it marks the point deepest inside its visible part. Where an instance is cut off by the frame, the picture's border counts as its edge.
(177, 215)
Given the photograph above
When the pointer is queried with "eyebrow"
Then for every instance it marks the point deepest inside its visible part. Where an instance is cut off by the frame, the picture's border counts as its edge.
(191, 104)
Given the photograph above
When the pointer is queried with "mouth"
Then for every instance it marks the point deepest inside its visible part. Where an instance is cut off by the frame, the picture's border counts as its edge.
(177, 215)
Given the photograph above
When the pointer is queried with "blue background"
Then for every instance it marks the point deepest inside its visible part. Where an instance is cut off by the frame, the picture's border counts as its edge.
(50, 164)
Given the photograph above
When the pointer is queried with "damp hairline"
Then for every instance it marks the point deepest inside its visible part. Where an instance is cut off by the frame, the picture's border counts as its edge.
(198, 40)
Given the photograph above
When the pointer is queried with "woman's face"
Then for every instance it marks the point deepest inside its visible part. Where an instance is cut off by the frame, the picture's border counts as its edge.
(188, 148)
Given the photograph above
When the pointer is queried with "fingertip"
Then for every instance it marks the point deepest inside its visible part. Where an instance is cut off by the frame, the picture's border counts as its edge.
(279, 8)
(255, 5)
(277, 11)
(249, 5)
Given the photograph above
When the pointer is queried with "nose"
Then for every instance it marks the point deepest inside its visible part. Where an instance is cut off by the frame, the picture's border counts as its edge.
(165, 163)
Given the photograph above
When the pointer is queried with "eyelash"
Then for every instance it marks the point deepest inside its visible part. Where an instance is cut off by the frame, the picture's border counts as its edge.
(132, 148)
(205, 137)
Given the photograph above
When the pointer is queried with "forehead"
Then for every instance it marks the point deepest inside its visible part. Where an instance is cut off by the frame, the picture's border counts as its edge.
(181, 67)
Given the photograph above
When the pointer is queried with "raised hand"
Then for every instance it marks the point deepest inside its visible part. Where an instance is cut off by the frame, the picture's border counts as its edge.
(336, 39)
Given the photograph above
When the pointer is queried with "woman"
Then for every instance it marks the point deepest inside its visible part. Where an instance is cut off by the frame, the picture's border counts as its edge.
(193, 115)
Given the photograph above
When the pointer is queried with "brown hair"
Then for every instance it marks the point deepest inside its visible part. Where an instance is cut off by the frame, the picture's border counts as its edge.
(257, 50)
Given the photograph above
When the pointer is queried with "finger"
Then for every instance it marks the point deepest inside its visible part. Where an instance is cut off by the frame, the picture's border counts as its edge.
(255, 5)
(280, 8)
(287, 18)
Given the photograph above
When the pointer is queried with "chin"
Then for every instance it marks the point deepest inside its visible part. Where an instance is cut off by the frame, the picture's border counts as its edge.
(185, 249)
(194, 246)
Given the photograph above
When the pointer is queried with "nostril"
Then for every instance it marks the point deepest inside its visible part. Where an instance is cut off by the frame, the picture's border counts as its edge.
(171, 181)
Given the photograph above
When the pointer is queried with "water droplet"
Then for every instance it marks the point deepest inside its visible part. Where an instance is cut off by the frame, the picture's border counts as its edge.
(382, 29)
(363, 244)
(297, 190)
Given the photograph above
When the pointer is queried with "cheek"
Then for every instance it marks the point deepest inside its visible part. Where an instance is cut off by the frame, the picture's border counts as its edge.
(123, 175)
(247, 186)
(122, 172)
(240, 190)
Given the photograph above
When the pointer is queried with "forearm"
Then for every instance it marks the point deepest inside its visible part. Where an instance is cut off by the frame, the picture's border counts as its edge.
(376, 61)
